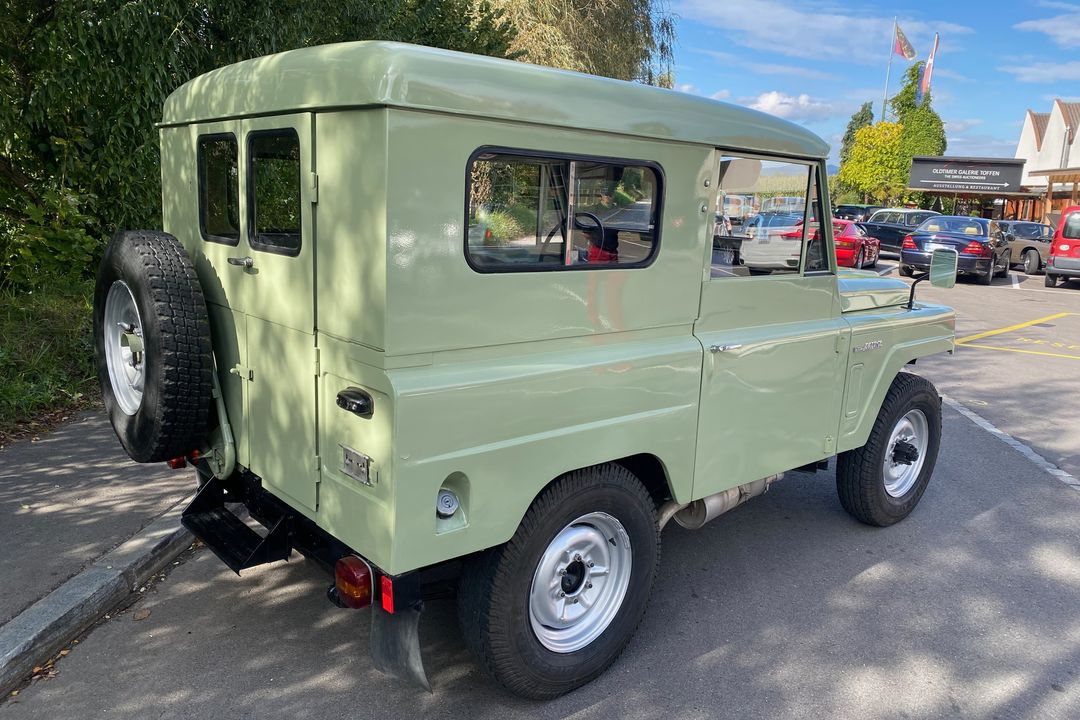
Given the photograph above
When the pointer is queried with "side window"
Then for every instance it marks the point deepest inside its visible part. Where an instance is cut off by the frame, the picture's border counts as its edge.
(817, 259)
(219, 189)
(274, 173)
(530, 213)
(769, 239)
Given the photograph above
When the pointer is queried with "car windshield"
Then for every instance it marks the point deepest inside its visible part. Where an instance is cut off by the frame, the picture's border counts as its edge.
(1026, 230)
(1071, 229)
(962, 226)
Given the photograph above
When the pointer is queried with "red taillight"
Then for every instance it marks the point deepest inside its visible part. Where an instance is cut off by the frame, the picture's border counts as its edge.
(909, 243)
(386, 592)
(177, 462)
(845, 244)
(976, 248)
(352, 578)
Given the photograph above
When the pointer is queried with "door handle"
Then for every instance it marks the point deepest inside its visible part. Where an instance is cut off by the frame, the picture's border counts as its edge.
(244, 262)
(723, 348)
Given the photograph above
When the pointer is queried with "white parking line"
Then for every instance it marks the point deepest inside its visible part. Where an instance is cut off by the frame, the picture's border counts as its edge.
(886, 271)
(1015, 281)
(1012, 442)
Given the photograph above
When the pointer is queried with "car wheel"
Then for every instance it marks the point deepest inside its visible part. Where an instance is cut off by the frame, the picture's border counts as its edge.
(1032, 262)
(882, 482)
(152, 346)
(907, 270)
(859, 258)
(987, 277)
(873, 262)
(552, 608)
(1050, 280)
(1005, 265)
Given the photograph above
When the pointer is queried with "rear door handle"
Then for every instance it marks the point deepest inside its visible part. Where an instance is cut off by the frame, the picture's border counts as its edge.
(723, 348)
(244, 262)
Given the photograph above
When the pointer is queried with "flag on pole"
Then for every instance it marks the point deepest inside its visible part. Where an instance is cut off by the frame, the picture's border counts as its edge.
(902, 46)
(925, 74)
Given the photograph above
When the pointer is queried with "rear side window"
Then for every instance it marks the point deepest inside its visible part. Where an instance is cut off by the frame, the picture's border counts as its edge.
(531, 213)
(1071, 228)
(274, 172)
(219, 189)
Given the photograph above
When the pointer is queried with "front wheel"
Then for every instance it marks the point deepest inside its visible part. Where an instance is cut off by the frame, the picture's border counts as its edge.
(552, 608)
(882, 482)
(1031, 262)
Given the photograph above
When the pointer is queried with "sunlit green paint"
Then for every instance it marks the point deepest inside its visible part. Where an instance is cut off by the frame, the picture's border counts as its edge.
(495, 384)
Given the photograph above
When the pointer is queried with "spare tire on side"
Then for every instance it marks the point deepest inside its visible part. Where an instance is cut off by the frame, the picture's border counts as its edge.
(152, 345)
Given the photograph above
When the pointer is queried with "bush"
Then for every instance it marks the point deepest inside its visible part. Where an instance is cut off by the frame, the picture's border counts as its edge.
(525, 217)
(500, 227)
(622, 198)
(46, 352)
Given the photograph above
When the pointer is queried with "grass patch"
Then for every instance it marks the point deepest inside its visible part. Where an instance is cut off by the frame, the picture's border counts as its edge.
(46, 355)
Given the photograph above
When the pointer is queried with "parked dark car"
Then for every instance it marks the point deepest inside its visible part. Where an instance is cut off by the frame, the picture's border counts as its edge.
(858, 213)
(1064, 263)
(981, 245)
(1029, 243)
(890, 225)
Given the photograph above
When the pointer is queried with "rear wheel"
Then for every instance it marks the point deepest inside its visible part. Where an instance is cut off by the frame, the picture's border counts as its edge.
(882, 482)
(1050, 280)
(987, 277)
(552, 608)
(907, 270)
(1006, 262)
(859, 259)
(1031, 262)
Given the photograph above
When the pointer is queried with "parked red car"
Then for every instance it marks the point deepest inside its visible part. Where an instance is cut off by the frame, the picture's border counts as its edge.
(854, 248)
(1064, 260)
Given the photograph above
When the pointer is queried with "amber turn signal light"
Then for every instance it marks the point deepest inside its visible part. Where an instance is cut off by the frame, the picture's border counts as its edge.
(352, 578)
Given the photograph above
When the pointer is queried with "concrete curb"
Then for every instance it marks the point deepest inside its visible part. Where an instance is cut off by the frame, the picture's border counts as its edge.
(44, 628)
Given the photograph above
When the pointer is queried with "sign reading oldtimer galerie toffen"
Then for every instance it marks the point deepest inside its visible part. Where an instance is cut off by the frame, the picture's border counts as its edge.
(986, 175)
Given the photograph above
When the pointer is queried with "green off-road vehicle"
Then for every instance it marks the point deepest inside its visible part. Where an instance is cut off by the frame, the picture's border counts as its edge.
(457, 326)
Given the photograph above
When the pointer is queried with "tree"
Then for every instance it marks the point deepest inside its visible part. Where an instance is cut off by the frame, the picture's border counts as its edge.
(877, 164)
(924, 132)
(624, 39)
(82, 83)
(861, 118)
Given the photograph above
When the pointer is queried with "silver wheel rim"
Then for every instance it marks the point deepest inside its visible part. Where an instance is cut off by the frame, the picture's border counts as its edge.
(901, 477)
(124, 352)
(580, 583)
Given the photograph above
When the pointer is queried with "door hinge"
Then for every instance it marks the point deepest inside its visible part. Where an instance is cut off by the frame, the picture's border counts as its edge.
(318, 363)
(314, 187)
(839, 344)
(242, 372)
(318, 467)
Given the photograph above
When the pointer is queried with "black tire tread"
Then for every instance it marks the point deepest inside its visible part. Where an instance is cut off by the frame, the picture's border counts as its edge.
(179, 420)
(858, 470)
(479, 599)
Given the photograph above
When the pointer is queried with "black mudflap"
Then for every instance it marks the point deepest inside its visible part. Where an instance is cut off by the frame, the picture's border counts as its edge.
(238, 545)
(395, 645)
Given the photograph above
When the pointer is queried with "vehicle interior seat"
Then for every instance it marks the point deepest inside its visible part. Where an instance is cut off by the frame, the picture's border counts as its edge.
(933, 228)
(971, 230)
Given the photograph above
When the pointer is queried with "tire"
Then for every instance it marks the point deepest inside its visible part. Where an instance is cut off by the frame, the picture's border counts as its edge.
(496, 607)
(860, 257)
(1050, 280)
(1032, 262)
(159, 407)
(907, 270)
(866, 491)
(1005, 266)
(989, 276)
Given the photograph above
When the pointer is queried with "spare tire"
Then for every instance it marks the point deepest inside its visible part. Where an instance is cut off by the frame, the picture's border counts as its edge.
(152, 345)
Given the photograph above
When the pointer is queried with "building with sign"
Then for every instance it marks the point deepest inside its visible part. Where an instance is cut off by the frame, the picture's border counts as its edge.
(1050, 146)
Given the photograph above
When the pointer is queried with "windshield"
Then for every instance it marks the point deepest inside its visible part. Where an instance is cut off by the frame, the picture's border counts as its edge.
(1026, 230)
(1071, 229)
(963, 226)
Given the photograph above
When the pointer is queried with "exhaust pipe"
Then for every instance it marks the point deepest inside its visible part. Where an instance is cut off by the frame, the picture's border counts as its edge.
(699, 512)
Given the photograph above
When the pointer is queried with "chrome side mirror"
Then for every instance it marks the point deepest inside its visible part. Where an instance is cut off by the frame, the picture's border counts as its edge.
(943, 268)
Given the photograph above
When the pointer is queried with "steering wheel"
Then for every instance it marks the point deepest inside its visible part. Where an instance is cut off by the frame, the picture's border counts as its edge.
(547, 240)
(599, 225)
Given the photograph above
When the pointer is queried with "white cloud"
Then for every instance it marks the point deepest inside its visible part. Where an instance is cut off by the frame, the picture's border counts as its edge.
(731, 60)
(1051, 97)
(816, 33)
(721, 95)
(687, 88)
(961, 126)
(1045, 72)
(980, 146)
(940, 72)
(791, 107)
(1062, 29)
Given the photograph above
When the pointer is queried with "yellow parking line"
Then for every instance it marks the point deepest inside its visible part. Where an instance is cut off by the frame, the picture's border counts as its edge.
(1026, 352)
(1018, 326)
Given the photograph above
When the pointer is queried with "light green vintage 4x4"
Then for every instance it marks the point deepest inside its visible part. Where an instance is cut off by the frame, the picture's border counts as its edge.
(460, 326)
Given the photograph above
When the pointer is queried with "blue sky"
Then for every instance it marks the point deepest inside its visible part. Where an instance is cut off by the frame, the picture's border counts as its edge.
(815, 62)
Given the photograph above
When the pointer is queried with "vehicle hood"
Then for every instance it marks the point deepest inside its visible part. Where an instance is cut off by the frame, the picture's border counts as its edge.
(866, 290)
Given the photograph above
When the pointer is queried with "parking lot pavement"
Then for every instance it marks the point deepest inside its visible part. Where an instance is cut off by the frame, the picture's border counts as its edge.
(67, 499)
(785, 608)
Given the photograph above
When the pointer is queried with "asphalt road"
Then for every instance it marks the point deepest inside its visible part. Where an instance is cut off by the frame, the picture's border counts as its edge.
(785, 608)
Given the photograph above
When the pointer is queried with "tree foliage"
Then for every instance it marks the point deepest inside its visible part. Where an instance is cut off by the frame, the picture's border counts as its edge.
(82, 83)
(861, 118)
(877, 164)
(624, 39)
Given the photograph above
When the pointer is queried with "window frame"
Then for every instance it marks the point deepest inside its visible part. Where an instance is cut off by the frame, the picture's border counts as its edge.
(658, 211)
(253, 237)
(201, 181)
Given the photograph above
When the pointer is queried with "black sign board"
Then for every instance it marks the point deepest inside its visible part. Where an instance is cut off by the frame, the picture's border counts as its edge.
(970, 175)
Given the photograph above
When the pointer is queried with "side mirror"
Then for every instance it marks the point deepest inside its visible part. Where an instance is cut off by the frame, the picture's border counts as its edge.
(943, 268)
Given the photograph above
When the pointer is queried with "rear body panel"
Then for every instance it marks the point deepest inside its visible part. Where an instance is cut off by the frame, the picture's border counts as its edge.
(1065, 250)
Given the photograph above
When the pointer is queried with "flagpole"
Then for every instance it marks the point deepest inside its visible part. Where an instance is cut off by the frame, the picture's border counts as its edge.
(888, 70)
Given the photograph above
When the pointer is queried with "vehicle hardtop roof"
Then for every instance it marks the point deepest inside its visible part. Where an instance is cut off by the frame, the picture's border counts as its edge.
(380, 74)
(906, 210)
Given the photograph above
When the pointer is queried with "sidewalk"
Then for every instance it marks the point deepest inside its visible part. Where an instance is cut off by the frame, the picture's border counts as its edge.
(69, 498)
